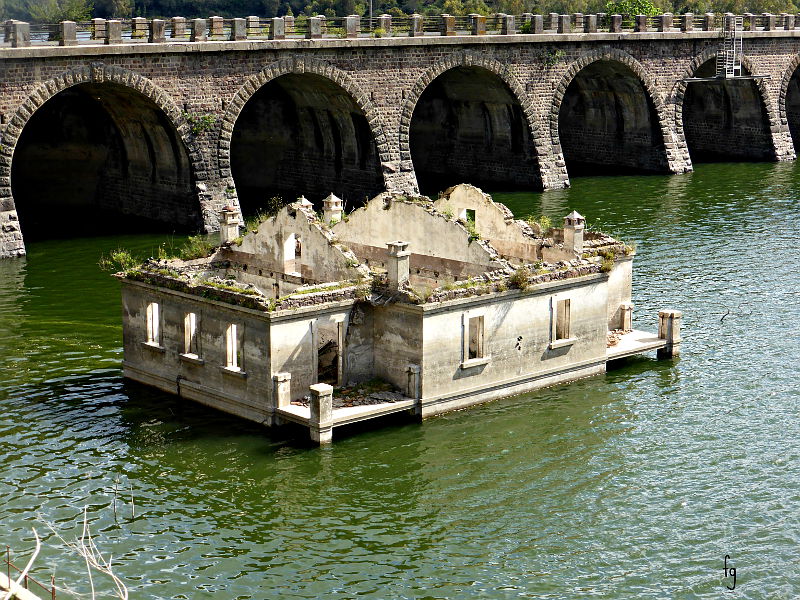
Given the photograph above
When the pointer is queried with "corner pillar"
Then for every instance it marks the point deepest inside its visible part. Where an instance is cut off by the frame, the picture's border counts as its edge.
(321, 417)
(669, 329)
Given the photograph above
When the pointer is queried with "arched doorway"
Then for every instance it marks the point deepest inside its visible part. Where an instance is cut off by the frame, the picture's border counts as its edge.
(468, 127)
(301, 133)
(607, 123)
(102, 158)
(725, 120)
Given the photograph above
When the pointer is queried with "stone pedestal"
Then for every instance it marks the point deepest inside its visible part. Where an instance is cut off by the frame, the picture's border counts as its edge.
(398, 264)
(669, 329)
(321, 418)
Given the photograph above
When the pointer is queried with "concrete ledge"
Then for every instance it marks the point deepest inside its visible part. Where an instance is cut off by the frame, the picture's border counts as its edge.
(635, 342)
(436, 405)
(200, 393)
(346, 415)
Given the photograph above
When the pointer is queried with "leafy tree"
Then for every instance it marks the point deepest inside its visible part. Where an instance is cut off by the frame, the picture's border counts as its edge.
(632, 7)
(54, 11)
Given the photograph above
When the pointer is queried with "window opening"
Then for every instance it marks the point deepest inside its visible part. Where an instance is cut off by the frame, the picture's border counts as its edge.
(475, 346)
(153, 325)
(233, 353)
(562, 320)
(190, 344)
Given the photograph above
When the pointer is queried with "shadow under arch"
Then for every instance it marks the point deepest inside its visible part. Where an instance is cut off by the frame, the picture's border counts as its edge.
(608, 117)
(468, 120)
(97, 144)
(724, 120)
(302, 126)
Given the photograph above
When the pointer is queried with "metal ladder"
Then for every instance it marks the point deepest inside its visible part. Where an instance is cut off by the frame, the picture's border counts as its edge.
(729, 56)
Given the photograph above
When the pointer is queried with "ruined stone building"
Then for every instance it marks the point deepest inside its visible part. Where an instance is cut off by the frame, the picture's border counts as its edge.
(449, 303)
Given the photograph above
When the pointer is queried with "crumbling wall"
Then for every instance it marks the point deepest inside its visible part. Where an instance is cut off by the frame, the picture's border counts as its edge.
(294, 241)
(493, 220)
(429, 233)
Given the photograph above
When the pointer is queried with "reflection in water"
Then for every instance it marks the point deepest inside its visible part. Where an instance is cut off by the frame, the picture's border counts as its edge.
(595, 488)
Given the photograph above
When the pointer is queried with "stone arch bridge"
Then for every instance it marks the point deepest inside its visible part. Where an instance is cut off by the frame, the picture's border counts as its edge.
(172, 129)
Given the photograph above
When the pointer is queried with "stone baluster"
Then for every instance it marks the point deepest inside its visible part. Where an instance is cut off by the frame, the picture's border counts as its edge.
(507, 26)
(178, 27)
(687, 22)
(198, 32)
(709, 22)
(113, 32)
(68, 33)
(640, 23)
(277, 28)
(447, 25)
(158, 31)
(553, 18)
(321, 413)
(615, 24)
(314, 28)
(669, 329)
(664, 22)
(281, 390)
(590, 24)
(769, 21)
(352, 25)
(238, 30)
(416, 27)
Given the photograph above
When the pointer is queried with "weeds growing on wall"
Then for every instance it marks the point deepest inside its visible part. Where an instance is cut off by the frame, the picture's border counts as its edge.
(200, 123)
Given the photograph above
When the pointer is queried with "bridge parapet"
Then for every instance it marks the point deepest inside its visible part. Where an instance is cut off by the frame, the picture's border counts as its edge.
(17, 34)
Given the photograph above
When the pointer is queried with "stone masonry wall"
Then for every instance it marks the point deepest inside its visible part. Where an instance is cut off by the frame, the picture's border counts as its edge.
(385, 78)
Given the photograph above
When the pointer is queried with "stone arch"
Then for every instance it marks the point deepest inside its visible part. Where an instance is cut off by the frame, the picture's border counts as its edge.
(502, 71)
(784, 96)
(298, 65)
(774, 120)
(674, 161)
(94, 73)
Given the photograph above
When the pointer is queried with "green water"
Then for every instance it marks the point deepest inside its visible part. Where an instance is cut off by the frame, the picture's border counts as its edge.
(634, 484)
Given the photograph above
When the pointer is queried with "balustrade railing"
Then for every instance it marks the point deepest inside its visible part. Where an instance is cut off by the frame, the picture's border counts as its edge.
(217, 29)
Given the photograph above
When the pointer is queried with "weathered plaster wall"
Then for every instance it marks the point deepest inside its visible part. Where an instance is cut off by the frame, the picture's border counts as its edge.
(247, 394)
(429, 234)
(517, 337)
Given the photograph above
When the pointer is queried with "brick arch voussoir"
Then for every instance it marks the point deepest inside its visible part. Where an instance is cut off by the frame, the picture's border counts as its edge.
(299, 65)
(609, 54)
(97, 73)
(468, 59)
(783, 93)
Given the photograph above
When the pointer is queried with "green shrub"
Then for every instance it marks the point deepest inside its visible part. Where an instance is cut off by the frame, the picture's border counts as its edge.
(118, 260)
(197, 246)
(519, 279)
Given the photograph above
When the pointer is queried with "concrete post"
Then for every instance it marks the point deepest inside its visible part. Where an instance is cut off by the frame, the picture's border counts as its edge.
(20, 34)
(138, 27)
(626, 316)
(769, 22)
(664, 22)
(351, 24)
(412, 384)
(398, 264)
(507, 25)
(228, 225)
(553, 21)
(640, 23)
(385, 23)
(709, 22)
(253, 25)
(687, 22)
(288, 20)
(577, 21)
(321, 417)
(332, 209)
(750, 22)
(238, 30)
(669, 328)
(198, 31)
(615, 24)
(158, 31)
(314, 28)
(574, 224)
(590, 24)
(68, 33)
(113, 32)
(416, 29)
(537, 24)
(178, 27)
(447, 26)
(564, 24)
(98, 29)
(281, 390)
(789, 23)
(477, 24)
(216, 26)
(277, 28)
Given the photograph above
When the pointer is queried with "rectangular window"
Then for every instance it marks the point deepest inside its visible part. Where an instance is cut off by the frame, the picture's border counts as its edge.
(562, 320)
(153, 324)
(475, 346)
(233, 353)
(190, 343)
